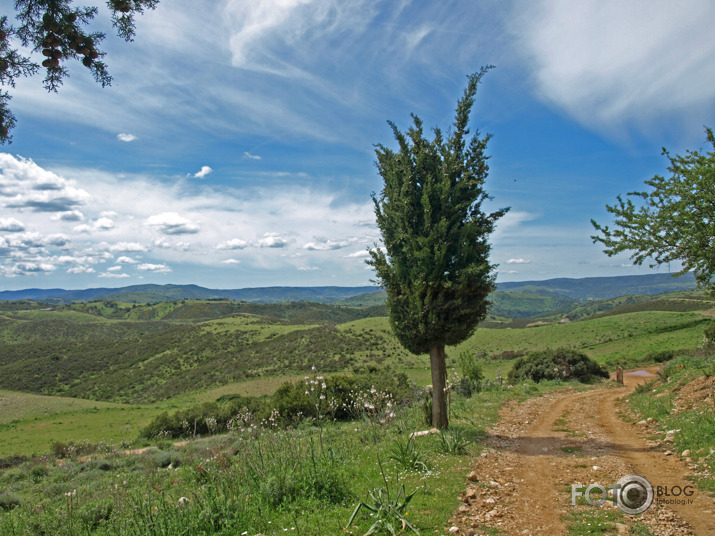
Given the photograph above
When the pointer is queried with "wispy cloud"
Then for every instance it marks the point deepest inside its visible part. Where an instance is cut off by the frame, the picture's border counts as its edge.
(609, 63)
(126, 137)
(251, 156)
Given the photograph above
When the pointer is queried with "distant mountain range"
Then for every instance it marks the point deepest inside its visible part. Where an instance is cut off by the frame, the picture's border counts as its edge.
(157, 293)
(577, 290)
(601, 288)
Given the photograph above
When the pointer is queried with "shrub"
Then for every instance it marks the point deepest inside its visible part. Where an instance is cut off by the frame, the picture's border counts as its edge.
(166, 458)
(94, 513)
(710, 333)
(9, 500)
(562, 364)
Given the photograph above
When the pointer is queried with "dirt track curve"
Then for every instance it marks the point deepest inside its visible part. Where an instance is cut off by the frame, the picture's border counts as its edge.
(541, 447)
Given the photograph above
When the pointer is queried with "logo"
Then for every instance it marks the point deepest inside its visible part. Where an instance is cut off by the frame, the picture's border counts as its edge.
(633, 494)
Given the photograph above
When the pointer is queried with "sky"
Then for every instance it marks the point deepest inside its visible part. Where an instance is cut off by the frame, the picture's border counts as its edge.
(236, 145)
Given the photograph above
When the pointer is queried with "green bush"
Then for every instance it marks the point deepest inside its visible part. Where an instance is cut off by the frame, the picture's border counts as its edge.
(710, 333)
(9, 500)
(559, 364)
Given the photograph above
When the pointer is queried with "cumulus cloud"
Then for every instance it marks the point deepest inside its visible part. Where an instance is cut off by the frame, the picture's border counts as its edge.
(72, 215)
(205, 170)
(124, 247)
(11, 225)
(234, 243)
(126, 260)
(358, 255)
(271, 240)
(81, 270)
(101, 224)
(126, 137)
(172, 223)
(24, 184)
(323, 244)
(518, 261)
(607, 62)
(113, 275)
(155, 268)
(32, 267)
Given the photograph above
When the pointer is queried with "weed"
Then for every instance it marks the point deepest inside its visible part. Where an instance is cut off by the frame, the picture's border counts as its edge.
(407, 454)
(387, 509)
(452, 441)
(9, 500)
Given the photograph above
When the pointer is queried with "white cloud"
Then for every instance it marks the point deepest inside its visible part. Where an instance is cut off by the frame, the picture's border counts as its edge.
(112, 275)
(205, 170)
(231, 261)
(126, 137)
(308, 268)
(126, 260)
(326, 245)
(101, 224)
(72, 215)
(271, 240)
(155, 268)
(31, 267)
(172, 223)
(81, 270)
(251, 156)
(11, 225)
(358, 255)
(234, 243)
(124, 247)
(518, 261)
(25, 185)
(609, 63)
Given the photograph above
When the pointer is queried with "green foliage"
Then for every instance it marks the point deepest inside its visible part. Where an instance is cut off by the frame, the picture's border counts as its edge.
(435, 266)
(58, 28)
(406, 453)
(452, 441)
(9, 500)
(561, 364)
(710, 333)
(388, 510)
(676, 220)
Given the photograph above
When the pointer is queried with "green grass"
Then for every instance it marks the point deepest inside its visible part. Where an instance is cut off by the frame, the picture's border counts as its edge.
(306, 480)
(696, 422)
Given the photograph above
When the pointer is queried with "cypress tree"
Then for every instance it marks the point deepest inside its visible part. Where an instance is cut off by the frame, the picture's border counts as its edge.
(434, 265)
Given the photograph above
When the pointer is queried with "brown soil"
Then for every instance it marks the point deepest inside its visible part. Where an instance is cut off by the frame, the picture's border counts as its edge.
(539, 448)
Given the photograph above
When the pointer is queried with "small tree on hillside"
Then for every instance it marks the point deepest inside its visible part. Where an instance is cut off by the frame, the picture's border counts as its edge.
(435, 262)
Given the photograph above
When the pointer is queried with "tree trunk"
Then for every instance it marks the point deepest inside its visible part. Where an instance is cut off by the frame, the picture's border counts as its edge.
(439, 377)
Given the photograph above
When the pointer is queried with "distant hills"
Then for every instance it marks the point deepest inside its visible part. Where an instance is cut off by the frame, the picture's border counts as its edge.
(516, 299)
(601, 288)
(158, 293)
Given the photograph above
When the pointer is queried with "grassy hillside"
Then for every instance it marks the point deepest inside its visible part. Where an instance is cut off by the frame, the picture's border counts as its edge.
(124, 352)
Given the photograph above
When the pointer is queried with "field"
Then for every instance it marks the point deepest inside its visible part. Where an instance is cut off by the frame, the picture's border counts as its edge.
(132, 365)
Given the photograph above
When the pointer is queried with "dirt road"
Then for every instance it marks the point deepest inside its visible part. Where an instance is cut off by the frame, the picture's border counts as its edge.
(540, 448)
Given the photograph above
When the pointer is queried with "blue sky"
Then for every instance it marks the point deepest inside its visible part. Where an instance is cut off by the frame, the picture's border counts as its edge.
(235, 147)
